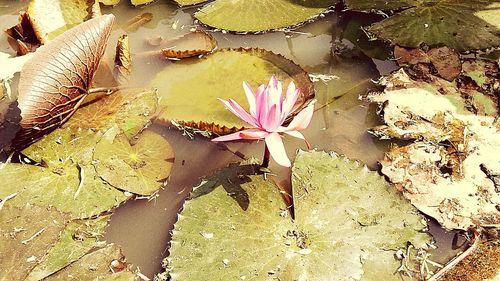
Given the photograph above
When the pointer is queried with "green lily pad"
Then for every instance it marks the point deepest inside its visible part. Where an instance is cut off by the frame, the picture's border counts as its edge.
(131, 110)
(457, 24)
(96, 265)
(261, 15)
(189, 2)
(348, 223)
(197, 85)
(76, 240)
(144, 166)
(69, 183)
(26, 234)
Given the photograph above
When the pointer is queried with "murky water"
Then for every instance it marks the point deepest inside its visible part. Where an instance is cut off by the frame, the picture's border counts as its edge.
(142, 227)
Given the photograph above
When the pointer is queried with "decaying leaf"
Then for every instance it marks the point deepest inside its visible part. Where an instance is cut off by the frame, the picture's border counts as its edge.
(134, 23)
(123, 60)
(189, 45)
(143, 167)
(22, 37)
(449, 172)
(444, 60)
(348, 225)
(260, 15)
(457, 24)
(197, 85)
(56, 80)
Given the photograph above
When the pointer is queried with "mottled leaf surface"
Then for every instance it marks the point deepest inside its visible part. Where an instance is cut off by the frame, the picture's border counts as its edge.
(457, 24)
(79, 237)
(451, 171)
(189, 45)
(144, 166)
(57, 78)
(348, 225)
(196, 85)
(260, 15)
(26, 234)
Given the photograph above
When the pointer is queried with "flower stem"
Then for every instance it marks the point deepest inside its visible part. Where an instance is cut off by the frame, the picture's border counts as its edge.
(267, 156)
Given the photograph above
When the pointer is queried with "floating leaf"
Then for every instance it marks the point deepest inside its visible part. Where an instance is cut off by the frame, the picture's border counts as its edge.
(189, 2)
(189, 45)
(130, 109)
(134, 23)
(455, 23)
(450, 174)
(445, 60)
(26, 234)
(123, 60)
(197, 85)
(95, 266)
(56, 80)
(69, 183)
(143, 167)
(261, 15)
(348, 223)
(50, 19)
(76, 240)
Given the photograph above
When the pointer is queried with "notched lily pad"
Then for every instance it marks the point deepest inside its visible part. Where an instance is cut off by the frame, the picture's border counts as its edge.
(189, 45)
(197, 85)
(457, 24)
(261, 15)
(348, 225)
(189, 2)
(450, 172)
(144, 166)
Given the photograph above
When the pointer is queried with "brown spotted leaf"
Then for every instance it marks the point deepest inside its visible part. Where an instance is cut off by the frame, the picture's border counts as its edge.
(56, 80)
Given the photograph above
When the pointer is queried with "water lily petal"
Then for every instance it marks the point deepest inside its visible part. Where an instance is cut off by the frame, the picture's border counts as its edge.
(292, 95)
(237, 110)
(253, 134)
(277, 149)
(250, 97)
(302, 120)
(230, 137)
(268, 122)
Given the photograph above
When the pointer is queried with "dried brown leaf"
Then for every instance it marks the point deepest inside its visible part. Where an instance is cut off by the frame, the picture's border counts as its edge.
(123, 60)
(56, 80)
(22, 37)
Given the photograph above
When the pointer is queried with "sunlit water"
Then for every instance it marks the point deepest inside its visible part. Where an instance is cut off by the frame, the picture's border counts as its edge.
(143, 227)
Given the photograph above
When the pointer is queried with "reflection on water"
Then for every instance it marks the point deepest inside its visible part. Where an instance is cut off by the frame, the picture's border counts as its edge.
(142, 227)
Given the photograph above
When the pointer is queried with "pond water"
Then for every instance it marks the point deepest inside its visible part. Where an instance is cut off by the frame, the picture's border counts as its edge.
(142, 227)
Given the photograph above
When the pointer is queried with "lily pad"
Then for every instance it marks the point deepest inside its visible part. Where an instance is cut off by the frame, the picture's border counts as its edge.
(76, 240)
(189, 45)
(261, 15)
(96, 266)
(69, 183)
(457, 24)
(348, 225)
(144, 167)
(450, 172)
(51, 18)
(130, 109)
(189, 2)
(26, 234)
(197, 85)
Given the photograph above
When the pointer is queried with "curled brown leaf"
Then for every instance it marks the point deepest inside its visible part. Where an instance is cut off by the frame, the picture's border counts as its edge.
(22, 37)
(123, 61)
(189, 45)
(56, 80)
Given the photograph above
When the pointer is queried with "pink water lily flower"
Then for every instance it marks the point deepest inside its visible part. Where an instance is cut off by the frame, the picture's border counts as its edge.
(268, 111)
